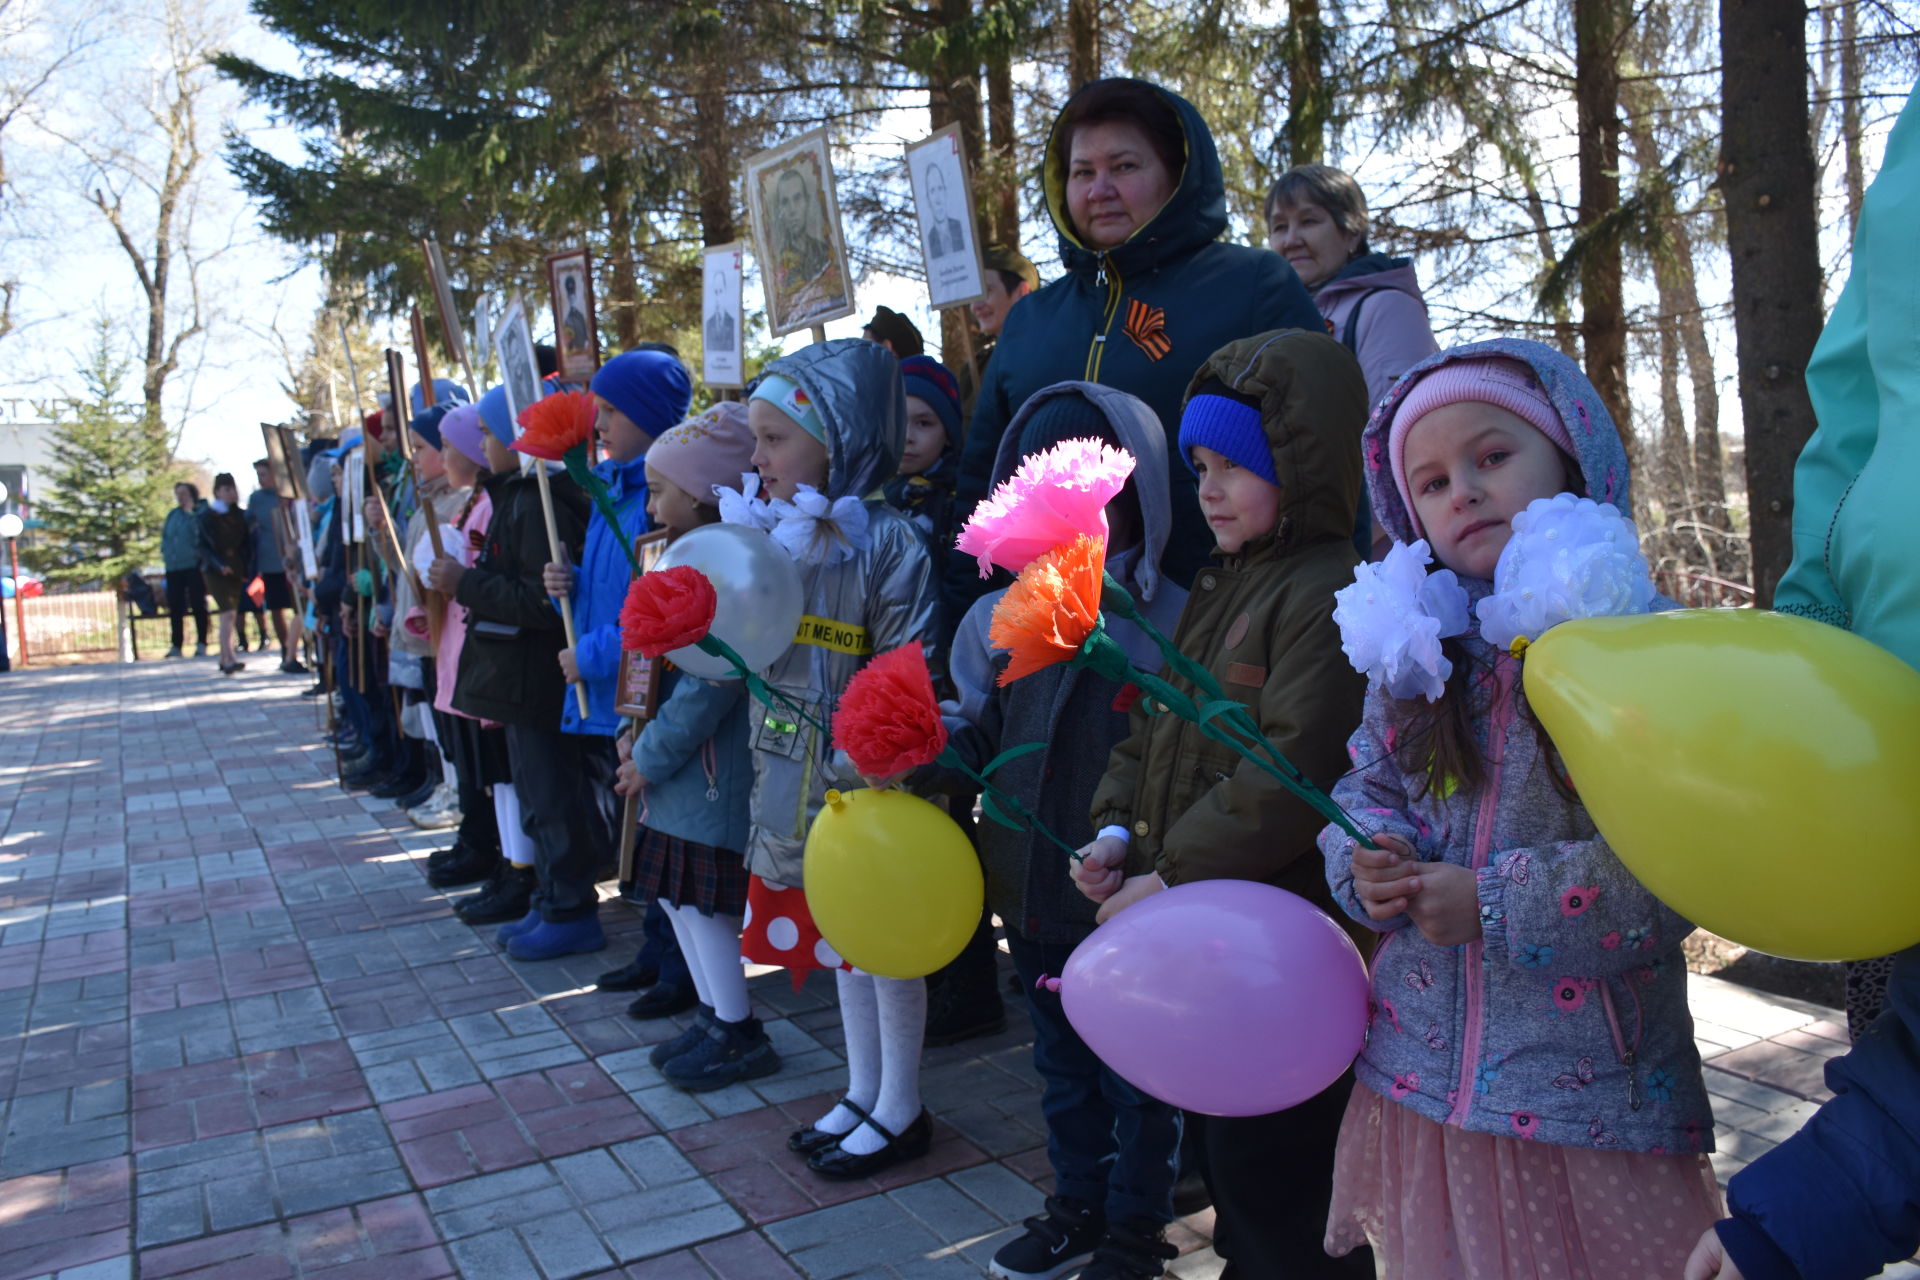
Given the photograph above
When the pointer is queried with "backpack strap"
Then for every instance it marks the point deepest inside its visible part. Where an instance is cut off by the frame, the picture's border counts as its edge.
(1350, 333)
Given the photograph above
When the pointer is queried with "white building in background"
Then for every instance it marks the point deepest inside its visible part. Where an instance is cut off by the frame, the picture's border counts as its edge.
(26, 452)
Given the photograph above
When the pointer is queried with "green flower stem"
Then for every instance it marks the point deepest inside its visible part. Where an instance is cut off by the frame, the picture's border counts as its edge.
(1007, 804)
(1103, 654)
(770, 697)
(1117, 599)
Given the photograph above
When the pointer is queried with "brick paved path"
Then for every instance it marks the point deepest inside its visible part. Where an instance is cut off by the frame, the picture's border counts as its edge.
(240, 1037)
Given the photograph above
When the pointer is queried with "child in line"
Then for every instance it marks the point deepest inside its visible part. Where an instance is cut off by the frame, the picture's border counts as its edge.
(1533, 1102)
(827, 429)
(509, 673)
(1271, 430)
(1111, 1147)
(963, 999)
(476, 749)
(639, 394)
(689, 766)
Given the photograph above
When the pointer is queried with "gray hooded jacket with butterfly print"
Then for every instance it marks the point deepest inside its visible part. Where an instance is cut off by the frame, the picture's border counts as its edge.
(1566, 1021)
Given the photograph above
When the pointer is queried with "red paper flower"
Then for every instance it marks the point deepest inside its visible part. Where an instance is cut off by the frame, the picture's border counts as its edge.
(550, 427)
(888, 719)
(667, 609)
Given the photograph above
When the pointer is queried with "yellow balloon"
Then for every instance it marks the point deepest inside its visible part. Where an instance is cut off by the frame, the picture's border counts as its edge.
(1759, 773)
(893, 882)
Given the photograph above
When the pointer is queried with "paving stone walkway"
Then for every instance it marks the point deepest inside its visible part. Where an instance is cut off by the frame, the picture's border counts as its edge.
(241, 1038)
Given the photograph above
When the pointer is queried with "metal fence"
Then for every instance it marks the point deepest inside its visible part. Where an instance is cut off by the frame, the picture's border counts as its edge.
(62, 625)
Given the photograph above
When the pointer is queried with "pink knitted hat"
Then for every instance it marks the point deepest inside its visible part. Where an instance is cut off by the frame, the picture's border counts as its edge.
(708, 449)
(1506, 384)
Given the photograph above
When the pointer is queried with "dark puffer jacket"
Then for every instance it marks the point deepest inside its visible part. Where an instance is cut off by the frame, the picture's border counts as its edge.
(1140, 317)
(510, 664)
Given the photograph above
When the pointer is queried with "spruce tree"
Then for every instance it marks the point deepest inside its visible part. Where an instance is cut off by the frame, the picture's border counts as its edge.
(108, 490)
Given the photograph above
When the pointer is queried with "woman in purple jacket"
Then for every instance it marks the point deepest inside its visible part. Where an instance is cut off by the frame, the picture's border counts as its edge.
(1317, 221)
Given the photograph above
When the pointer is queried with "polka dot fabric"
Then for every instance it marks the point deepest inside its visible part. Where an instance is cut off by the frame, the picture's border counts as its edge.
(1441, 1203)
(779, 930)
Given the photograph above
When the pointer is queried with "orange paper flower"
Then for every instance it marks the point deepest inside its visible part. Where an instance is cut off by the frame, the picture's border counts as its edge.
(1051, 608)
(888, 719)
(551, 426)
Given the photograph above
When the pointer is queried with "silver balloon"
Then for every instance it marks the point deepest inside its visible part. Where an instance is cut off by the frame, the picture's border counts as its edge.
(758, 596)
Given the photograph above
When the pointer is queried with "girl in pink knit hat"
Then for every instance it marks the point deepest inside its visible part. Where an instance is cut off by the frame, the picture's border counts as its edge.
(1530, 1100)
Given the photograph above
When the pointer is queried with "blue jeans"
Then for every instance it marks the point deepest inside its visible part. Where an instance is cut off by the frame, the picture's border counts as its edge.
(1110, 1145)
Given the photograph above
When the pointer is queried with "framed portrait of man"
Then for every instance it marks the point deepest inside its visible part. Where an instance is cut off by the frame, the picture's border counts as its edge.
(575, 335)
(797, 235)
(443, 301)
(723, 329)
(943, 205)
(519, 366)
(638, 694)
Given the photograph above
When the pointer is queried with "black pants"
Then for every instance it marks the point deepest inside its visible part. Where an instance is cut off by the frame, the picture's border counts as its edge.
(186, 589)
(476, 761)
(1272, 1181)
(565, 784)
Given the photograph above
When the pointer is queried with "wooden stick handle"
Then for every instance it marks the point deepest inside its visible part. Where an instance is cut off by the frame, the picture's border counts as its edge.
(559, 554)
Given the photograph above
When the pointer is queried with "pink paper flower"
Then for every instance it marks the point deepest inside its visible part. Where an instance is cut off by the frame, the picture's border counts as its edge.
(1054, 497)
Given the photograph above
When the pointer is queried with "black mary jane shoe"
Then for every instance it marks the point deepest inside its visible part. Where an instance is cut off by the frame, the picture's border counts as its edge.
(804, 1142)
(909, 1144)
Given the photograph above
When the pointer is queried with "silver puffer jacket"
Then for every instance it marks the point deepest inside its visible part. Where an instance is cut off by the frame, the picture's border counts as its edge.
(879, 600)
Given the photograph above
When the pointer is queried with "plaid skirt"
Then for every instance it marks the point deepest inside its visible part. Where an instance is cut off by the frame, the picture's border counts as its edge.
(687, 873)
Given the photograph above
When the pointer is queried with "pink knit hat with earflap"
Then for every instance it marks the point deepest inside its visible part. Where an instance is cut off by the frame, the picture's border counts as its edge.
(708, 449)
(1506, 384)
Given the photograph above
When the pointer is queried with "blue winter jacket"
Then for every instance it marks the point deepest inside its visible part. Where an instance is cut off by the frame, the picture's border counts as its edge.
(1841, 1198)
(693, 754)
(599, 589)
(1566, 1021)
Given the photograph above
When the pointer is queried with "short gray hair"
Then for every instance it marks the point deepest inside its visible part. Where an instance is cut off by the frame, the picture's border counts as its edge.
(1332, 189)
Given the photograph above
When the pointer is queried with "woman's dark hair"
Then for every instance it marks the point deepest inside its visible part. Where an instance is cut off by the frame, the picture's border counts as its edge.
(193, 490)
(1332, 189)
(1133, 102)
(224, 478)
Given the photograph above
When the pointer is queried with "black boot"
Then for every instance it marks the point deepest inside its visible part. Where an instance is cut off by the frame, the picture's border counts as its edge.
(963, 999)
(468, 866)
(508, 896)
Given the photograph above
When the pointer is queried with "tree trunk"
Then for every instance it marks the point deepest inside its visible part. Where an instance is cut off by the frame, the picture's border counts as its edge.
(1850, 112)
(623, 289)
(1306, 52)
(1709, 460)
(1673, 481)
(713, 157)
(1767, 178)
(1083, 42)
(1603, 325)
(1565, 336)
(954, 96)
(1001, 208)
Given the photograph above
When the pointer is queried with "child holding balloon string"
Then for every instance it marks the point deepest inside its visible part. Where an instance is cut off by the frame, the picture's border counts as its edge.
(1271, 428)
(1533, 1100)
(828, 427)
(690, 767)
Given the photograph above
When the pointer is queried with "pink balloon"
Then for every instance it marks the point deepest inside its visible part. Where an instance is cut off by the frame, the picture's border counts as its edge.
(1224, 997)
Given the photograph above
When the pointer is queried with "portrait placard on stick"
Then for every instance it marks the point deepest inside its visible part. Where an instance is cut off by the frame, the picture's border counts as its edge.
(638, 694)
(482, 336)
(397, 420)
(576, 333)
(943, 201)
(519, 366)
(443, 303)
(278, 461)
(797, 235)
(722, 321)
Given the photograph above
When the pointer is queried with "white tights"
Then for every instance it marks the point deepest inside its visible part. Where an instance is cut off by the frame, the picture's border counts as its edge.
(515, 843)
(885, 1021)
(711, 947)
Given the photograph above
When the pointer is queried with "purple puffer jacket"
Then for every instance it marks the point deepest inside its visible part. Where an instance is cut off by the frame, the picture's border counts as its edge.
(1392, 333)
(1567, 1021)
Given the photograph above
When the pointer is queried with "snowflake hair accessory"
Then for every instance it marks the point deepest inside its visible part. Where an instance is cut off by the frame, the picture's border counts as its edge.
(816, 529)
(1568, 558)
(1393, 618)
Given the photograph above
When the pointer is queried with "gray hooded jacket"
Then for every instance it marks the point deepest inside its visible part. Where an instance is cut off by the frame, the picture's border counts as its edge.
(879, 600)
(1078, 714)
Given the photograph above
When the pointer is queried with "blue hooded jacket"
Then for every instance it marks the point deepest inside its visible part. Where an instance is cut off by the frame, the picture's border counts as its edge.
(599, 589)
